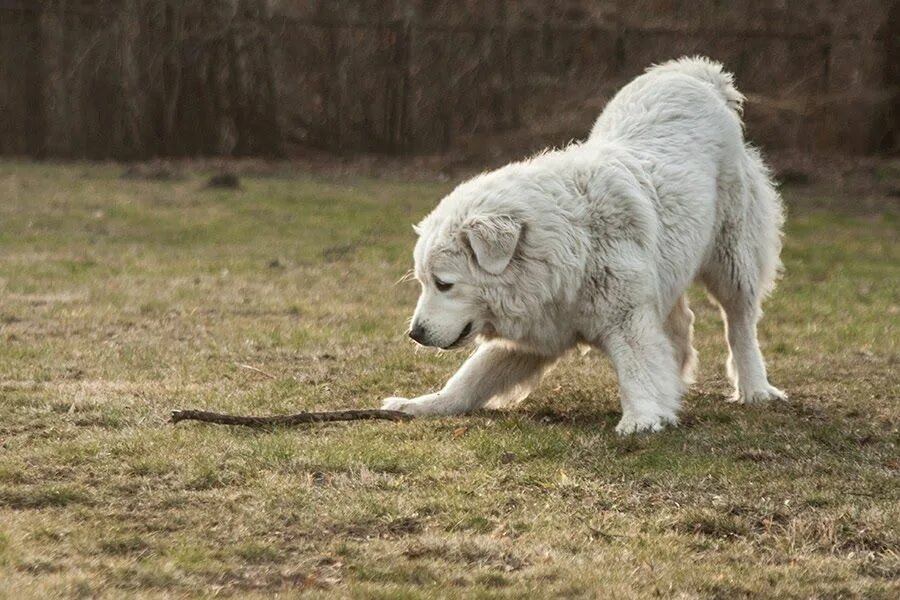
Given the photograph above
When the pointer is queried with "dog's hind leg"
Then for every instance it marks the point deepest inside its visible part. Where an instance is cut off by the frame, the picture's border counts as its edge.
(679, 326)
(746, 367)
(741, 270)
(644, 359)
(497, 374)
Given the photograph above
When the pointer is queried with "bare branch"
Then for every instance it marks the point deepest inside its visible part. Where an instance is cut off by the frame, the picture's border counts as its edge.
(289, 420)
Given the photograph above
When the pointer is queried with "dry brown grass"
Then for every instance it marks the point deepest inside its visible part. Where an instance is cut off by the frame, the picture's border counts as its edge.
(122, 299)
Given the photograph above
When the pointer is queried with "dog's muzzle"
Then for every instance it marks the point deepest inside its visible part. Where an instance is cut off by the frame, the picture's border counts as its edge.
(462, 336)
(417, 333)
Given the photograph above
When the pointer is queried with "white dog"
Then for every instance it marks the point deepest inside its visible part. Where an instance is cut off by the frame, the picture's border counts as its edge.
(597, 243)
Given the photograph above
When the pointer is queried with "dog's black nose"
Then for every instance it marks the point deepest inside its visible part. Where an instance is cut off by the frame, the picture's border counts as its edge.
(417, 332)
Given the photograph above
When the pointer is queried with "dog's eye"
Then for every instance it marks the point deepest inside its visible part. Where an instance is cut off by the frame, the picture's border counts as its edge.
(442, 286)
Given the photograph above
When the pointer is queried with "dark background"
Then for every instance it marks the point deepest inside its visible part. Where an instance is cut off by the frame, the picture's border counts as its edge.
(137, 79)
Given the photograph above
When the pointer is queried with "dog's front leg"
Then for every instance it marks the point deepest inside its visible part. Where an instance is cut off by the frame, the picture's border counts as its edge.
(649, 382)
(496, 372)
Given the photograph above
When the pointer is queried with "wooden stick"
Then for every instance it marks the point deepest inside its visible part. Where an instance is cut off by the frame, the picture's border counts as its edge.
(289, 420)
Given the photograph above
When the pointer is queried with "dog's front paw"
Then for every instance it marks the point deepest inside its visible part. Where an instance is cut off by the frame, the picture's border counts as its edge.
(435, 405)
(638, 423)
(410, 407)
(394, 403)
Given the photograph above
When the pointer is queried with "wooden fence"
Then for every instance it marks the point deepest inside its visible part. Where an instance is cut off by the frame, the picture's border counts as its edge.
(144, 78)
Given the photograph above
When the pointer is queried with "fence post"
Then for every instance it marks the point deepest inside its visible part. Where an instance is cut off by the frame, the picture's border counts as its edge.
(399, 138)
(35, 82)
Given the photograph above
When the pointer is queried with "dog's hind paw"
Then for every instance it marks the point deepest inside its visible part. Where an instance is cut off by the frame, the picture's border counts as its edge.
(644, 423)
(768, 394)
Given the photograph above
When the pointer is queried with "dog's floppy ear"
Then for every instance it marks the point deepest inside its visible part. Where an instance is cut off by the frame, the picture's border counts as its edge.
(493, 241)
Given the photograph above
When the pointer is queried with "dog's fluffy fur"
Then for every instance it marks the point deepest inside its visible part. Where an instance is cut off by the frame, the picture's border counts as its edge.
(597, 243)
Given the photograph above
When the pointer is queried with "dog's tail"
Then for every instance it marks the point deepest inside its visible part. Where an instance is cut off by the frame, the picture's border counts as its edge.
(710, 72)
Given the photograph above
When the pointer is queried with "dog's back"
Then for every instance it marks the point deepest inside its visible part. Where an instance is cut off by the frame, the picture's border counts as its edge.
(706, 70)
(680, 105)
(683, 117)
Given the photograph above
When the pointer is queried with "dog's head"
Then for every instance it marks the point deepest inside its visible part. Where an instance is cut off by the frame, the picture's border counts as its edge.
(456, 261)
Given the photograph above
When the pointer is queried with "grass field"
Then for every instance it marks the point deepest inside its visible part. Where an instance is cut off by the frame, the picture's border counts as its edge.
(122, 299)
